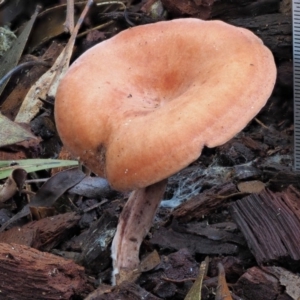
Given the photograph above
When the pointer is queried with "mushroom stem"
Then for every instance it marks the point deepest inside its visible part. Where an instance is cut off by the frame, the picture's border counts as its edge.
(134, 223)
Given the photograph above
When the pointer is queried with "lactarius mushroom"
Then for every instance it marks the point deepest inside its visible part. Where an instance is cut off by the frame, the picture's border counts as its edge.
(141, 106)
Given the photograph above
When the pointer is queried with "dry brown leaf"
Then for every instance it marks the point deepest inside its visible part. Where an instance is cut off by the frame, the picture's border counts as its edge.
(289, 280)
(13, 184)
(8, 189)
(223, 292)
(195, 291)
(50, 191)
(254, 186)
(25, 80)
(92, 187)
(39, 213)
(12, 133)
(11, 58)
(47, 85)
(50, 24)
(149, 262)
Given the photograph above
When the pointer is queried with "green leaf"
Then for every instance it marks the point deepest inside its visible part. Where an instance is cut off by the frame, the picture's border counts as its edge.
(32, 165)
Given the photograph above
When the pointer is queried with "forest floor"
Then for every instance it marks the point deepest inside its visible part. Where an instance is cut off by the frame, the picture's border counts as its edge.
(235, 212)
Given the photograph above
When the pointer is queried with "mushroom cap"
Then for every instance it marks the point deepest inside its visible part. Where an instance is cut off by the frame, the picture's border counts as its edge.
(141, 106)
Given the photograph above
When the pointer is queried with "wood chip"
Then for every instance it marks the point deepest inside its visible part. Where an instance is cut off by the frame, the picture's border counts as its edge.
(270, 223)
(43, 276)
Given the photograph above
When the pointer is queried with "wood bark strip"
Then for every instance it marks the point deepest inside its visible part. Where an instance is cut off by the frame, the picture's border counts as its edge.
(44, 234)
(257, 284)
(168, 238)
(271, 225)
(204, 203)
(27, 273)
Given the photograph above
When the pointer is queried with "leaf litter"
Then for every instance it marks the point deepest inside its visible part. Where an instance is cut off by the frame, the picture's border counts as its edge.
(69, 180)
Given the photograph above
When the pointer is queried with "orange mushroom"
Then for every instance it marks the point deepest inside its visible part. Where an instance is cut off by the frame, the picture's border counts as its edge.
(141, 106)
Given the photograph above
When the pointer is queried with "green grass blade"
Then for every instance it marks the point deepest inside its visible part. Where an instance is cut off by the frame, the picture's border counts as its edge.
(33, 165)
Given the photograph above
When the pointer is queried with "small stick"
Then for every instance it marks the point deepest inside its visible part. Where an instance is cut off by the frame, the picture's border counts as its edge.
(95, 206)
(36, 180)
(261, 123)
(178, 281)
(125, 10)
(95, 28)
(69, 24)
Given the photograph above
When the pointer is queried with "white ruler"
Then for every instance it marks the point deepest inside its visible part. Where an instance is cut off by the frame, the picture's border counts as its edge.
(296, 59)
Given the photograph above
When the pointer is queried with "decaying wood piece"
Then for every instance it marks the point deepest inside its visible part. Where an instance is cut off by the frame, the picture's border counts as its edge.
(27, 273)
(226, 10)
(291, 198)
(204, 203)
(196, 9)
(287, 279)
(253, 145)
(271, 20)
(281, 178)
(176, 269)
(221, 232)
(264, 17)
(170, 239)
(274, 29)
(96, 252)
(234, 152)
(43, 234)
(270, 223)
(234, 267)
(257, 284)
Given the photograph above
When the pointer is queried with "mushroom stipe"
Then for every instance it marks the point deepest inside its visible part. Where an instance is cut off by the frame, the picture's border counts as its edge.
(153, 96)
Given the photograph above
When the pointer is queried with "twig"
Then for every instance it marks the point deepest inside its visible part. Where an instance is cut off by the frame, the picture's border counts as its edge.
(95, 206)
(261, 123)
(178, 280)
(125, 10)
(232, 195)
(26, 192)
(36, 180)
(81, 18)
(69, 24)
(95, 28)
